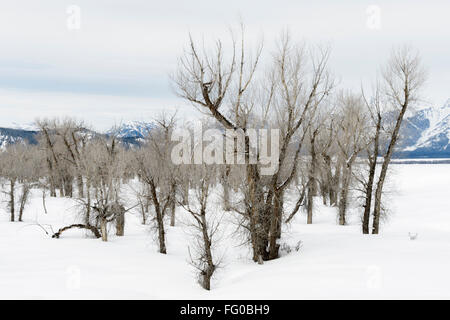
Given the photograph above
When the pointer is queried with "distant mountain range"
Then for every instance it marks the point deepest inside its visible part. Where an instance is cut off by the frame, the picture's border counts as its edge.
(10, 136)
(130, 133)
(424, 134)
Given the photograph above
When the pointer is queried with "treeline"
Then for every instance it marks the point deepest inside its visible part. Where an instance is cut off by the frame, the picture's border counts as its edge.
(329, 142)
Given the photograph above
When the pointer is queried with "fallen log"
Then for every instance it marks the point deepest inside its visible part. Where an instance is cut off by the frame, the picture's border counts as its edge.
(79, 226)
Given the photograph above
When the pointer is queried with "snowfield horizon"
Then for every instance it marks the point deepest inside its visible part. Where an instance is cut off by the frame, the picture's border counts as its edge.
(334, 262)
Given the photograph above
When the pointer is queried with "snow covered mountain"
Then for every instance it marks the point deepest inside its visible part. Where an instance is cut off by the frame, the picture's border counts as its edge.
(132, 133)
(133, 129)
(426, 134)
(10, 136)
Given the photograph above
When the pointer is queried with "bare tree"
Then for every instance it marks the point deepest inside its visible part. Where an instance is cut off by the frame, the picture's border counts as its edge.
(63, 141)
(352, 139)
(373, 151)
(204, 223)
(231, 93)
(156, 171)
(29, 169)
(102, 164)
(9, 170)
(20, 167)
(403, 78)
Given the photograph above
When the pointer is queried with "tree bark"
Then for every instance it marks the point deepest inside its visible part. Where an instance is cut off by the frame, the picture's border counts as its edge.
(275, 226)
(159, 220)
(104, 229)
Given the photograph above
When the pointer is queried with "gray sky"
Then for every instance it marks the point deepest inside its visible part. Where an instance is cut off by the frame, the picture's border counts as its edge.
(115, 67)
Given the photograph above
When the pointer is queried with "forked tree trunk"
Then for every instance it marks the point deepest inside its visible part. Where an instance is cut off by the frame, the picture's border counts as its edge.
(384, 168)
(371, 180)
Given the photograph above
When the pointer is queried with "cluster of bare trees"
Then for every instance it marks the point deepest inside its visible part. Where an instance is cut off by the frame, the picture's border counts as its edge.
(327, 136)
(333, 146)
(68, 156)
(20, 167)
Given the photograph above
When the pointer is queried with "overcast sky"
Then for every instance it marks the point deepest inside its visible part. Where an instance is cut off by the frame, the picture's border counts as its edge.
(115, 67)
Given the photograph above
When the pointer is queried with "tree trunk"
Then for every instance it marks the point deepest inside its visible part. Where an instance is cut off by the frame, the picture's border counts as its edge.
(275, 226)
(172, 205)
(226, 189)
(368, 200)
(255, 214)
(43, 201)
(120, 224)
(297, 205)
(309, 206)
(370, 182)
(51, 178)
(23, 199)
(324, 192)
(159, 220)
(343, 201)
(81, 226)
(185, 194)
(384, 168)
(68, 186)
(312, 185)
(210, 267)
(103, 229)
(335, 181)
(88, 201)
(80, 186)
(142, 208)
(12, 200)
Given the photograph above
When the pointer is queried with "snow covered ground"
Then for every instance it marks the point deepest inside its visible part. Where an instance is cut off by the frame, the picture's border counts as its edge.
(334, 262)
